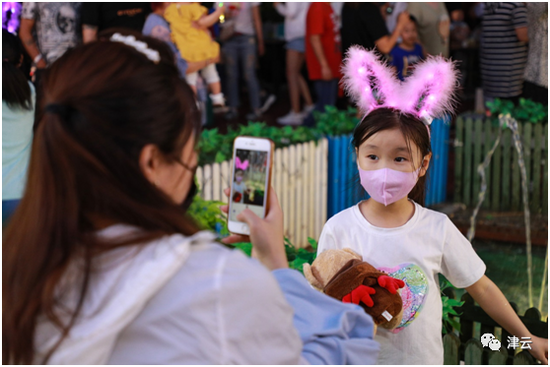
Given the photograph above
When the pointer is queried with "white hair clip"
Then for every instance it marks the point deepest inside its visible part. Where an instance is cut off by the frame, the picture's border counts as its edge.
(140, 46)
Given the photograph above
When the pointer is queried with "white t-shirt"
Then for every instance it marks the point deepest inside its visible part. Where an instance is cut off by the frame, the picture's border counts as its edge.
(295, 19)
(430, 241)
(242, 14)
(239, 187)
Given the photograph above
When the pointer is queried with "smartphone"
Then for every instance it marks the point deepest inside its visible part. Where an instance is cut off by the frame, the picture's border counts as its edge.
(250, 180)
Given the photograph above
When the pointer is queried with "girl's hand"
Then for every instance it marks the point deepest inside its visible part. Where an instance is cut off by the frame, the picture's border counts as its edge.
(221, 9)
(539, 349)
(266, 234)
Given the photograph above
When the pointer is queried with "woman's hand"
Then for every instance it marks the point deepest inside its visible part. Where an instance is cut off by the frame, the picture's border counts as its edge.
(539, 349)
(266, 234)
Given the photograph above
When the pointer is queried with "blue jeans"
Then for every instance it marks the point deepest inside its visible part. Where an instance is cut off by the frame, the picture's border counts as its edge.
(241, 50)
(327, 93)
(8, 208)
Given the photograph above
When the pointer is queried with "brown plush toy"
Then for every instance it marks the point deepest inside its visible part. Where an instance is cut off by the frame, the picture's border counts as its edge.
(343, 275)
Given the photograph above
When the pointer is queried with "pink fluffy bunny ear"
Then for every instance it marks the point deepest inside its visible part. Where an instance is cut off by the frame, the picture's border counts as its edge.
(430, 91)
(368, 80)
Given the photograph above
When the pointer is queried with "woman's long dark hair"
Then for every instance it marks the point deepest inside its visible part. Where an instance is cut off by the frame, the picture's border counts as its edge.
(103, 102)
(412, 128)
(16, 91)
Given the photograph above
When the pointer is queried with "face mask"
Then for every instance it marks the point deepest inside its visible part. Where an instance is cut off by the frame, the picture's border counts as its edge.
(190, 195)
(386, 185)
(239, 179)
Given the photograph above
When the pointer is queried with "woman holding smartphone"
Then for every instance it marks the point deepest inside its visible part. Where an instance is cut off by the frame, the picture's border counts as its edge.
(102, 265)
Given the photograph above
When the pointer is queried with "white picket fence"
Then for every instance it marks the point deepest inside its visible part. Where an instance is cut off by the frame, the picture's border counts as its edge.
(299, 179)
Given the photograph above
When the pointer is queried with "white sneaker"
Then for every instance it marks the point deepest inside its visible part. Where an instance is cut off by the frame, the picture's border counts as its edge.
(217, 99)
(291, 118)
(307, 110)
(268, 102)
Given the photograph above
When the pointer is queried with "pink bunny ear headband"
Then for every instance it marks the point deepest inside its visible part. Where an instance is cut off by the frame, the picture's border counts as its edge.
(427, 93)
(241, 165)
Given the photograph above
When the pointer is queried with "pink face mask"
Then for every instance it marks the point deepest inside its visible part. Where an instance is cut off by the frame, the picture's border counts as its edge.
(238, 178)
(386, 185)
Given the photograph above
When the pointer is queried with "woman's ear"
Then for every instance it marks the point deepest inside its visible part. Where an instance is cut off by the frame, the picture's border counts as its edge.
(425, 164)
(149, 163)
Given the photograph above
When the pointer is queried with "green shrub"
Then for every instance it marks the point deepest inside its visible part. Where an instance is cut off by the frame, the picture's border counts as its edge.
(526, 111)
(216, 147)
(449, 304)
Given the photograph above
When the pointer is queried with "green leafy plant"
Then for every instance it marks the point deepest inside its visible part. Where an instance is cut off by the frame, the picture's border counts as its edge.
(525, 111)
(335, 122)
(297, 257)
(216, 147)
(207, 215)
(449, 304)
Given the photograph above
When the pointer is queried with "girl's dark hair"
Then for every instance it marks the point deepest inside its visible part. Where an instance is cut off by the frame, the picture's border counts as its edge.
(16, 90)
(103, 102)
(412, 128)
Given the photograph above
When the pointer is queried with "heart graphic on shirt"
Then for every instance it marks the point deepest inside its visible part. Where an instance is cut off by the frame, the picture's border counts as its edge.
(413, 294)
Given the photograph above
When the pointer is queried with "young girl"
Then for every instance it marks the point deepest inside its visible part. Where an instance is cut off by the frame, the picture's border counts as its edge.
(239, 187)
(408, 52)
(392, 230)
(189, 23)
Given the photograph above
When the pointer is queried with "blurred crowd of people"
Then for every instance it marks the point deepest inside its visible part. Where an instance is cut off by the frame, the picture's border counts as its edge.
(227, 39)
(218, 45)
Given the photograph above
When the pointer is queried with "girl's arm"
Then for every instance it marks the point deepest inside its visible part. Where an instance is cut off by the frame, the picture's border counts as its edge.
(210, 19)
(492, 301)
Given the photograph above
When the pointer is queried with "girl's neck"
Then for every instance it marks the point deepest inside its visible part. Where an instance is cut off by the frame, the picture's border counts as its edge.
(391, 216)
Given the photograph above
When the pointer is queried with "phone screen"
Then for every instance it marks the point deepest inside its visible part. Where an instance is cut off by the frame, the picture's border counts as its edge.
(248, 188)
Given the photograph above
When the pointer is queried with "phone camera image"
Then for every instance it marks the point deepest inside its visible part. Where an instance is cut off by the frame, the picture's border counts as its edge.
(249, 182)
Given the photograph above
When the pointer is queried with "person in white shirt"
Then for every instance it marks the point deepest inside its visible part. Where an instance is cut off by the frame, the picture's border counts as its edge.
(103, 265)
(295, 32)
(391, 230)
(18, 106)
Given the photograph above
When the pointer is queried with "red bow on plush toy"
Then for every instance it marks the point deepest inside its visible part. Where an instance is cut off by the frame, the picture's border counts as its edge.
(360, 294)
(363, 293)
(360, 283)
(343, 275)
(391, 284)
(237, 197)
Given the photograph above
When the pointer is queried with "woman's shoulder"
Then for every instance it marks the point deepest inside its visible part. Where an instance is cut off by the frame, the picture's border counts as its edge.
(213, 264)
